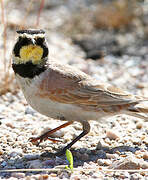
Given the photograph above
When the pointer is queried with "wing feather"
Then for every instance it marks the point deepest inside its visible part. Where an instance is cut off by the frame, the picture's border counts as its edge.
(65, 84)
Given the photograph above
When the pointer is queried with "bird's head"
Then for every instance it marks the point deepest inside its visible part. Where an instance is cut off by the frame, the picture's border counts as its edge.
(30, 47)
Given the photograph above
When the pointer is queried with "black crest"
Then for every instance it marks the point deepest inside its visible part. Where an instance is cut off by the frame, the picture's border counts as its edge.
(31, 31)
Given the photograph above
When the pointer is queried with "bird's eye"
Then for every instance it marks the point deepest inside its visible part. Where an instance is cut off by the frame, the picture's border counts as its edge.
(39, 41)
(24, 41)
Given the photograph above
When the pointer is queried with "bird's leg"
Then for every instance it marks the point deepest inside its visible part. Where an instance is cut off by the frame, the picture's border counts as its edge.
(46, 135)
(86, 129)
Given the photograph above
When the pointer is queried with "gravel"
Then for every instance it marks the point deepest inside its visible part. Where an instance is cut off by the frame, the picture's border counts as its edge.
(119, 143)
(116, 148)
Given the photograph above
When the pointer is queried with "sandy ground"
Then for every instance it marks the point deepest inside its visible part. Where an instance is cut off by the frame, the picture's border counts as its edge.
(116, 148)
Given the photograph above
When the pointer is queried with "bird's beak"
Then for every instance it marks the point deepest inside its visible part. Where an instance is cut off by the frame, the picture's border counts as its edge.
(33, 42)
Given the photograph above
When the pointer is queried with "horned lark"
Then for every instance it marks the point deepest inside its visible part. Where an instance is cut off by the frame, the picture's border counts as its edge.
(63, 92)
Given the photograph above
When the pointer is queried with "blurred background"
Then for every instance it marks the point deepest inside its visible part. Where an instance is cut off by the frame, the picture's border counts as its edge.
(107, 39)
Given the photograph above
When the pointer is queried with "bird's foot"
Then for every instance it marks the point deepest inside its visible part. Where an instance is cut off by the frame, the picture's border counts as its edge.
(46, 135)
(38, 140)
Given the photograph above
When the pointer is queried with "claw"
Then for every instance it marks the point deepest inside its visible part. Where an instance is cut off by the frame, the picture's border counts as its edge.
(46, 135)
(36, 141)
(54, 140)
(40, 139)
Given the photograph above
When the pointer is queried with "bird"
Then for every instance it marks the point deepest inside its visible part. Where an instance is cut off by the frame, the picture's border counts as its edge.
(63, 92)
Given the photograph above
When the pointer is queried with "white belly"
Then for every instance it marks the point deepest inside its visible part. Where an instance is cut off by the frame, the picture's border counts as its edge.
(55, 109)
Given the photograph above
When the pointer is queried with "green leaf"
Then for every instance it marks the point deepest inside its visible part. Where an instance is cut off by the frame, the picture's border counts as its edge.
(69, 159)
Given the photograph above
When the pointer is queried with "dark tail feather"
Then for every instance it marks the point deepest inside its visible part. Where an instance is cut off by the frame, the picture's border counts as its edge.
(139, 108)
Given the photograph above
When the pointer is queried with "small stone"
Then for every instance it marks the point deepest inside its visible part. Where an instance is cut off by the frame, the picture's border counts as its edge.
(102, 145)
(31, 156)
(49, 162)
(112, 135)
(18, 175)
(14, 154)
(126, 164)
(77, 154)
(139, 125)
(4, 163)
(59, 161)
(99, 146)
(76, 178)
(1, 152)
(136, 141)
(85, 157)
(101, 154)
(146, 141)
(53, 175)
(107, 162)
(123, 155)
(30, 111)
(111, 156)
(100, 162)
(64, 175)
(144, 165)
(145, 156)
(138, 156)
(9, 124)
(35, 164)
(45, 176)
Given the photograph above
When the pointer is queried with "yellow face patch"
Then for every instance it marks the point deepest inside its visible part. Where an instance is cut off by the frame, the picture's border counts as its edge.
(31, 53)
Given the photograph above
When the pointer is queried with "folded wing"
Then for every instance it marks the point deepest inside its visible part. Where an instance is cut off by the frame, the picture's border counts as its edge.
(67, 85)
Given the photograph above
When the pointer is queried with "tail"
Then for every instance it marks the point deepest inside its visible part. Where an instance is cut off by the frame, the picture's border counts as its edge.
(139, 110)
(142, 110)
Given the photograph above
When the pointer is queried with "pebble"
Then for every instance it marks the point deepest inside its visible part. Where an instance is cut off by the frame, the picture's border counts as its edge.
(38, 177)
(144, 165)
(4, 163)
(53, 175)
(10, 124)
(125, 164)
(18, 175)
(49, 162)
(145, 156)
(29, 157)
(112, 135)
(35, 164)
(59, 161)
(100, 162)
(30, 111)
(136, 141)
(101, 154)
(145, 140)
(14, 154)
(1, 152)
(81, 156)
(64, 175)
(111, 156)
(139, 125)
